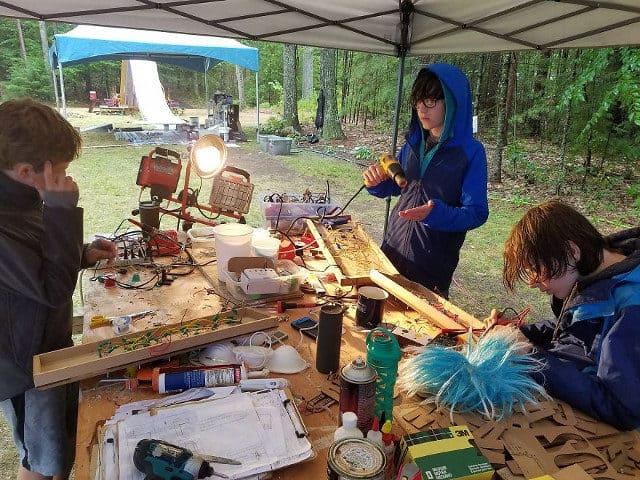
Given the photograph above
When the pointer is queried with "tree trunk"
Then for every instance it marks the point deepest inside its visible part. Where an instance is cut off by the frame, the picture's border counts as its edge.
(476, 93)
(332, 128)
(290, 91)
(511, 90)
(566, 122)
(23, 50)
(346, 77)
(307, 72)
(495, 173)
(242, 100)
(44, 40)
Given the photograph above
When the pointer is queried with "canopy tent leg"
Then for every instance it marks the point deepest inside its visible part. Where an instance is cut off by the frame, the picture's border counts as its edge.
(257, 107)
(394, 138)
(62, 95)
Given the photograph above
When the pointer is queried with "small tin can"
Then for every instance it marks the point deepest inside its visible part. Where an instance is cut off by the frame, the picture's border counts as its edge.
(355, 459)
(358, 392)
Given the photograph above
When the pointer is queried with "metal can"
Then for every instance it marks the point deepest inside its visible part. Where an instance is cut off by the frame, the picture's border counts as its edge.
(358, 392)
(355, 459)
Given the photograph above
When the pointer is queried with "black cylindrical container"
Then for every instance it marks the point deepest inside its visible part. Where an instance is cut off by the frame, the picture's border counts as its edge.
(150, 213)
(358, 392)
(328, 343)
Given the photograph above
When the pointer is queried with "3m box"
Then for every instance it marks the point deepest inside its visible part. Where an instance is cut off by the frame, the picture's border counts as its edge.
(445, 453)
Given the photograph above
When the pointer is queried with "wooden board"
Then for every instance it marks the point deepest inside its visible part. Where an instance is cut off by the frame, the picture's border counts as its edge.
(90, 359)
(355, 252)
(423, 300)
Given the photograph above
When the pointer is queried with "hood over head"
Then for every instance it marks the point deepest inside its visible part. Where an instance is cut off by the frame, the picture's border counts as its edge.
(458, 117)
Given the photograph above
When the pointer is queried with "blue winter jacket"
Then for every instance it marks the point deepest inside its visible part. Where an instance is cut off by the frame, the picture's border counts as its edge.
(453, 174)
(593, 361)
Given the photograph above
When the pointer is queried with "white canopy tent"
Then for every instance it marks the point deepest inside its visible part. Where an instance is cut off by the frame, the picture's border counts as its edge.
(432, 26)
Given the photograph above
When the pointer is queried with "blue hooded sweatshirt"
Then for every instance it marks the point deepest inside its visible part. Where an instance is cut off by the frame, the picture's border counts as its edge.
(453, 174)
(590, 351)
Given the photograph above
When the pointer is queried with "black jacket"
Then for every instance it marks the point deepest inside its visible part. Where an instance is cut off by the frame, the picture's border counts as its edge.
(40, 256)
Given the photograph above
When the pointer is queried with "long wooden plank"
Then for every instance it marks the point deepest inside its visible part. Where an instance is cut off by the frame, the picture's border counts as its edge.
(90, 359)
(311, 226)
(462, 317)
(413, 301)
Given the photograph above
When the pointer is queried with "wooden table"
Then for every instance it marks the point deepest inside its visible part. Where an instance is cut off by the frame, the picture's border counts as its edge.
(188, 297)
(99, 402)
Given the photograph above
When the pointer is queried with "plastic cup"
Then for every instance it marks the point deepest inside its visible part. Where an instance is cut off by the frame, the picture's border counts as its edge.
(232, 240)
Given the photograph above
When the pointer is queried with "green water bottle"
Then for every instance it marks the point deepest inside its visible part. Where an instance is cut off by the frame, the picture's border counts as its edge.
(383, 355)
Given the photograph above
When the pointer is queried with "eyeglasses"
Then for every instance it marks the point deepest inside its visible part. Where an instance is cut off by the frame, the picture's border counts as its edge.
(427, 103)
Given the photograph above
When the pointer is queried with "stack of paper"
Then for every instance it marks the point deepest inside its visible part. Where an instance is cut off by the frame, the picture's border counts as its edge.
(253, 428)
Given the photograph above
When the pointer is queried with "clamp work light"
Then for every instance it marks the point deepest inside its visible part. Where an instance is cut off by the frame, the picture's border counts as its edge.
(231, 189)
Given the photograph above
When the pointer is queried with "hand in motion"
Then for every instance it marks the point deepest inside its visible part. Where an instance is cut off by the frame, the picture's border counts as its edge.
(418, 213)
(494, 321)
(100, 249)
(374, 175)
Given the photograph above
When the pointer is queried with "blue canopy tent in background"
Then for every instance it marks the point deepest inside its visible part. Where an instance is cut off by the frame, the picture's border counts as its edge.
(200, 53)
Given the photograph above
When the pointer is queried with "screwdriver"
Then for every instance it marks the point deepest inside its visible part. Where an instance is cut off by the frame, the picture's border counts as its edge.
(102, 321)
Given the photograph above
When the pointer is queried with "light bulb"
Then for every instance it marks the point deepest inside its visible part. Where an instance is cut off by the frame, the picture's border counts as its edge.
(208, 160)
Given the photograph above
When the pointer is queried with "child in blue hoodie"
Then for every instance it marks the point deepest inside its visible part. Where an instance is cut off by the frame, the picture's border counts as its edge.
(590, 350)
(446, 170)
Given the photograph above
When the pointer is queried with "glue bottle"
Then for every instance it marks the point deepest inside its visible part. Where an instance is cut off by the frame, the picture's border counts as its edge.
(349, 428)
(389, 448)
(375, 435)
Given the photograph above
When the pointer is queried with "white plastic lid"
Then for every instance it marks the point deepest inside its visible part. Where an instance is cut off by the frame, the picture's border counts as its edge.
(349, 420)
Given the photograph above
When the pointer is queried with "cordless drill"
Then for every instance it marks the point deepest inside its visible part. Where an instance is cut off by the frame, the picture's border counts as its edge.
(160, 460)
(391, 166)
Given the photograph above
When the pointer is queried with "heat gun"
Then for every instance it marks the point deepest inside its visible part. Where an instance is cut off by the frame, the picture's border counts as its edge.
(391, 166)
(160, 460)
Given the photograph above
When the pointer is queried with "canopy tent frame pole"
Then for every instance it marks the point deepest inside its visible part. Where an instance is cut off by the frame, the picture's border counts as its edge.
(406, 14)
(394, 138)
(257, 107)
(62, 94)
(206, 83)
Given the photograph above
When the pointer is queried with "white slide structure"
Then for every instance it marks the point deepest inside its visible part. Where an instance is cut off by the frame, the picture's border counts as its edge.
(149, 94)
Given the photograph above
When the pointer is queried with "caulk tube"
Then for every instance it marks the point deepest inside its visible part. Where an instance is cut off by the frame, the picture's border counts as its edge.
(255, 384)
(217, 376)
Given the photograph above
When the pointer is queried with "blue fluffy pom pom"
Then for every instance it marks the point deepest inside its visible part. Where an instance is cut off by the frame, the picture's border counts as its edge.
(492, 378)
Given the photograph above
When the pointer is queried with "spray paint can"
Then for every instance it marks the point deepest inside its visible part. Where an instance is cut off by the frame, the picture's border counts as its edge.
(215, 376)
(355, 458)
(358, 392)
